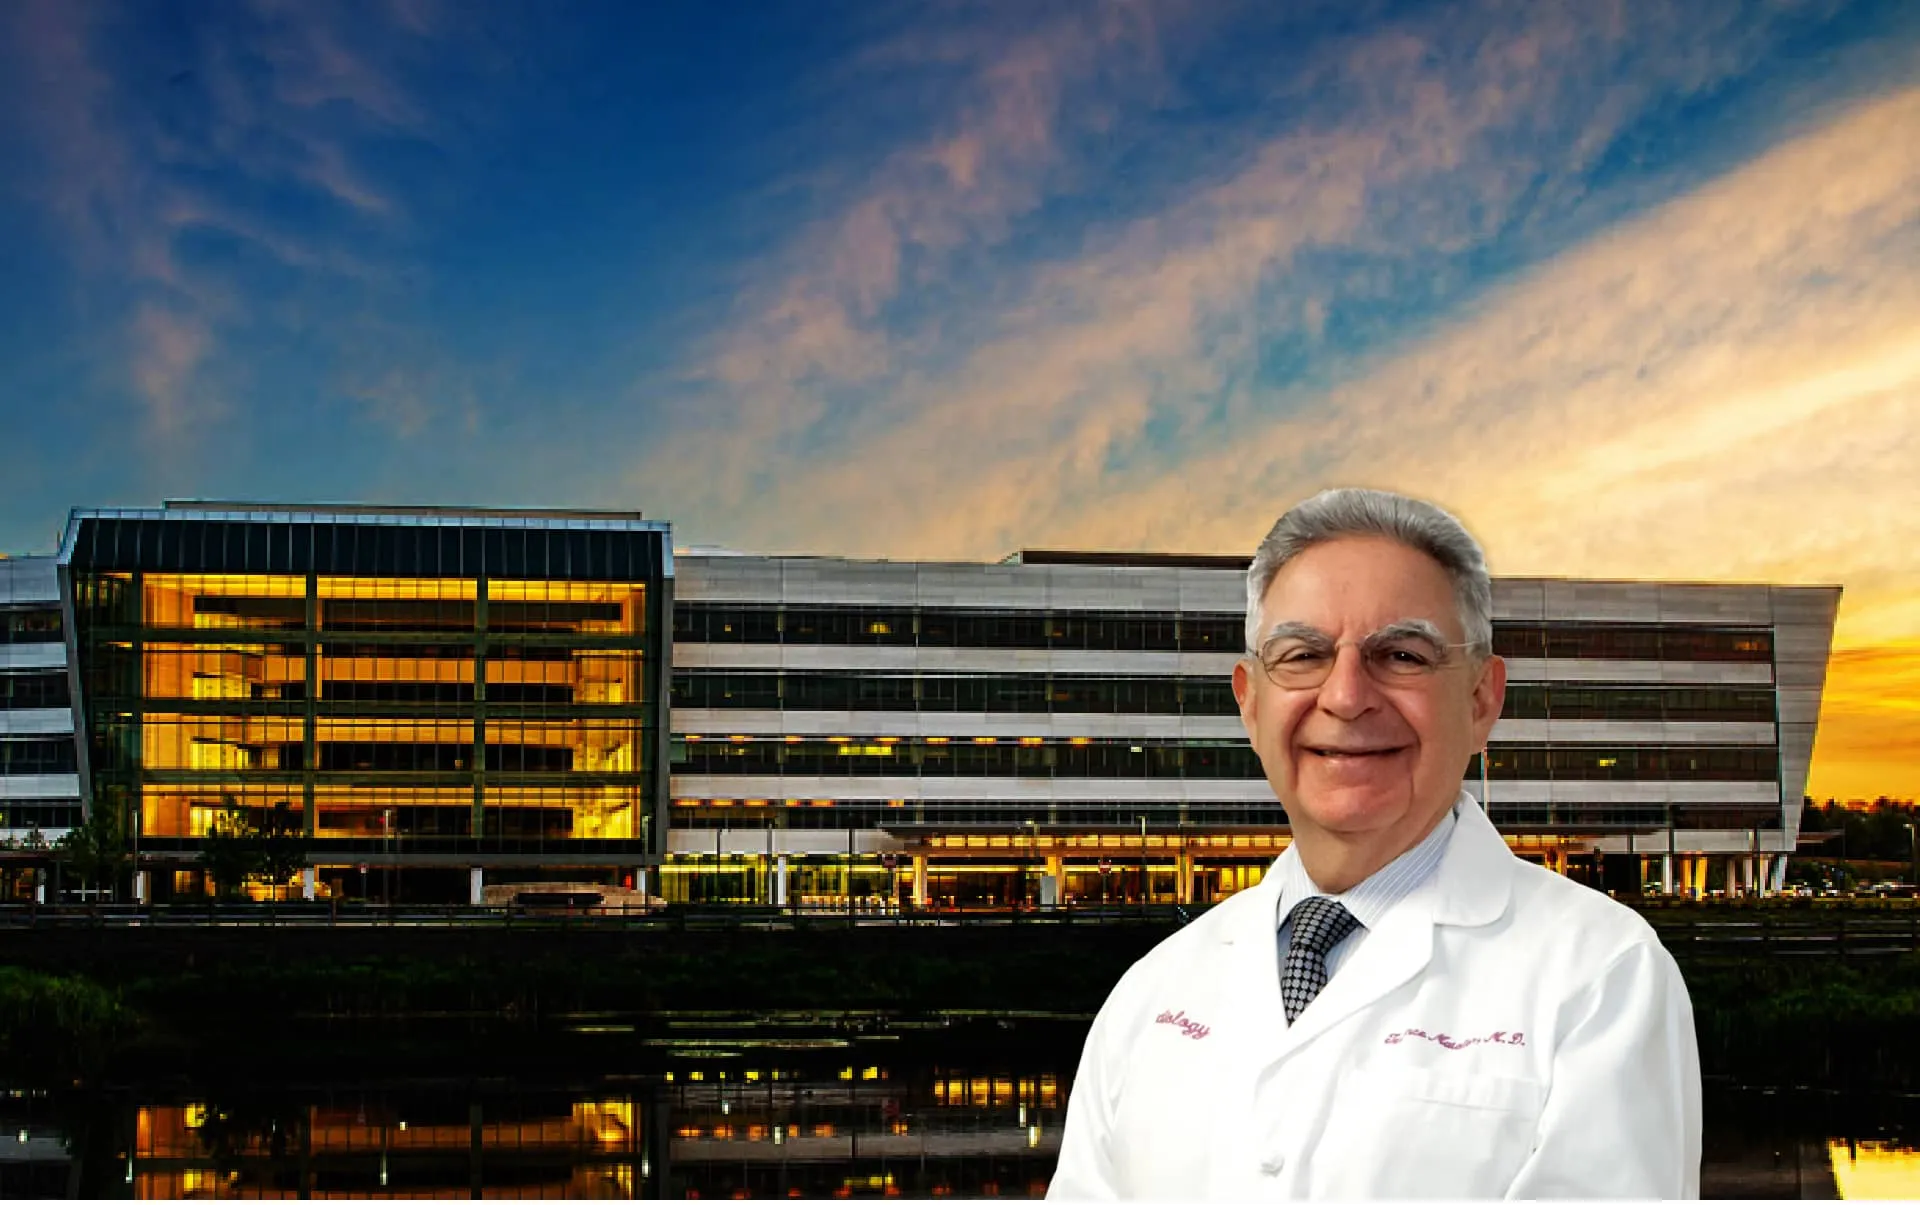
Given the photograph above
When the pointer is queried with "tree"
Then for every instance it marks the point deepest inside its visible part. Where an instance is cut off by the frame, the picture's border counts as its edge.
(237, 847)
(283, 844)
(230, 852)
(97, 849)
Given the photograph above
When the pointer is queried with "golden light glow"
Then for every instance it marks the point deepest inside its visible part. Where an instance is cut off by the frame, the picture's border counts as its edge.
(388, 707)
(1875, 1171)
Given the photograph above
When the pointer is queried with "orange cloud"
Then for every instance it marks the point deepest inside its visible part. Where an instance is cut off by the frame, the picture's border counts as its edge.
(1869, 740)
(1725, 386)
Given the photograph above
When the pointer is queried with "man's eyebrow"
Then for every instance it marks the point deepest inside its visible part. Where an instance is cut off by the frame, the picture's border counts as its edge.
(1422, 629)
(1294, 629)
(1399, 629)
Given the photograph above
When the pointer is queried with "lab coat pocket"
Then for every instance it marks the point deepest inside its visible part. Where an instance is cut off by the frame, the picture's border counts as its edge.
(1416, 1133)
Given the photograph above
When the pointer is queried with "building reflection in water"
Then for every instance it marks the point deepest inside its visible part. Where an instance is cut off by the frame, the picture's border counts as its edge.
(717, 1126)
(857, 1131)
(1875, 1171)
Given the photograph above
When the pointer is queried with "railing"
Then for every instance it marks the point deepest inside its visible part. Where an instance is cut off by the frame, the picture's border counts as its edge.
(1770, 933)
(307, 915)
(1689, 932)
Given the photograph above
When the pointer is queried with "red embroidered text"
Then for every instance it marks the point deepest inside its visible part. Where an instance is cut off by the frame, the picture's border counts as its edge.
(1184, 1024)
(1499, 1037)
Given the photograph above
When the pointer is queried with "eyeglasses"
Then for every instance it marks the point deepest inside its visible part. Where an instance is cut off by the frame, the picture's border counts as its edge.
(1297, 657)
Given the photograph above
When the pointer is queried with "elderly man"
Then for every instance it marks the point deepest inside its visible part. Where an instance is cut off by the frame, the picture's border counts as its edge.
(1402, 1007)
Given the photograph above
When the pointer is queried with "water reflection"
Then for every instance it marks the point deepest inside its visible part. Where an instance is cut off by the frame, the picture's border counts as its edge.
(690, 1132)
(833, 1117)
(1875, 1171)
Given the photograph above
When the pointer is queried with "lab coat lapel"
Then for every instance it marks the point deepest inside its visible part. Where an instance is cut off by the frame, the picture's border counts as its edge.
(1471, 886)
(1259, 1020)
(1391, 955)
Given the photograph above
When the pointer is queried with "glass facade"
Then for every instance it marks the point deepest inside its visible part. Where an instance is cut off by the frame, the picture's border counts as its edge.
(1015, 767)
(440, 684)
(1083, 694)
(31, 625)
(1185, 632)
(40, 795)
(34, 689)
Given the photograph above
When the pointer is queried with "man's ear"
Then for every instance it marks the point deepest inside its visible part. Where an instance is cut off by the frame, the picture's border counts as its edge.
(1489, 696)
(1245, 695)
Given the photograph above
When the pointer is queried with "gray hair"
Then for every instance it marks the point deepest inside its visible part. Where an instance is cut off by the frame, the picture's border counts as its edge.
(1422, 526)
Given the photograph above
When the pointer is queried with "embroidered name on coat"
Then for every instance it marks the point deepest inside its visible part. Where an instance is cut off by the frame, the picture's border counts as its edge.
(1184, 1024)
(1499, 1037)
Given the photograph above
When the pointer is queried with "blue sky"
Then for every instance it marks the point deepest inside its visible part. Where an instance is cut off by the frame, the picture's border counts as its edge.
(1634, 287)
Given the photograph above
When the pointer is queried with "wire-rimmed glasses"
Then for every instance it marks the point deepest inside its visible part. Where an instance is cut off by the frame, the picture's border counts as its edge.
(1298, 657)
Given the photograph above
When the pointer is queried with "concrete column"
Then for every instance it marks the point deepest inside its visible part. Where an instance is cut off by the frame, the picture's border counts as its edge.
(920, 880)
(1779, 873)
(476, 882)
(640, 881)
(140, 886)
(1733, 877)
(309, 883)
(1183, 878)
(1666, 874)
(780, 881)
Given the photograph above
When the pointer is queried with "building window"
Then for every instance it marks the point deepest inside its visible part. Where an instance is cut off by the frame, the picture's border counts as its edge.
(19, 691)
(37, 626)
(37, 756)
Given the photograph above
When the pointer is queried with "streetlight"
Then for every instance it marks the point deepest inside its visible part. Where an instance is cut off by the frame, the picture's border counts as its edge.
(1033, 855)
(1145, 893)
(1913, 848)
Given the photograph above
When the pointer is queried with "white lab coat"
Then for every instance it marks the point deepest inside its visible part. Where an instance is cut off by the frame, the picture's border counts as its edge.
(1504, 1032)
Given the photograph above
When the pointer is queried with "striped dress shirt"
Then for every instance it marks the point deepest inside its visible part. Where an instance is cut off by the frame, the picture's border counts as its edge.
(1372, 897)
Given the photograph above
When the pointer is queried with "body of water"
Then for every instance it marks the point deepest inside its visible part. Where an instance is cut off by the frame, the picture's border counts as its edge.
(701, 1109)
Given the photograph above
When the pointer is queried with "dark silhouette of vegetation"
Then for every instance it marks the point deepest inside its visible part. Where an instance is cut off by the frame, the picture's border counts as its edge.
(238, 847)
(96, 851)
(1880, 831)
(58, 1023)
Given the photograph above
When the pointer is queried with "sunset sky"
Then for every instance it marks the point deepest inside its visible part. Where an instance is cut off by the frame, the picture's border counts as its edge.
(1633, 288)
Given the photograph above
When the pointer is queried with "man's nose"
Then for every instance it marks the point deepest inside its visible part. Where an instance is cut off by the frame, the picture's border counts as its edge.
(1349, 690)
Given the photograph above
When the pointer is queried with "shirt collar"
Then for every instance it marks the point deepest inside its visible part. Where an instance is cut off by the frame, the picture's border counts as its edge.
(1374, 896)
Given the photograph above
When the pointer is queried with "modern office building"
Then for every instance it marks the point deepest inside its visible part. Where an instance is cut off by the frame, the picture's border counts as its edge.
(430, 695)
(443, 699)
(39, 770)
(1059, 728)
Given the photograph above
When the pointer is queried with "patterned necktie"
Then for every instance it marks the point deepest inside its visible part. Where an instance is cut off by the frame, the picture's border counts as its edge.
(1319, 924)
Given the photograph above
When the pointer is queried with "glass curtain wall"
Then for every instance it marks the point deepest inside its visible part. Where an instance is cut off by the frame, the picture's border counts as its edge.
(383, 712)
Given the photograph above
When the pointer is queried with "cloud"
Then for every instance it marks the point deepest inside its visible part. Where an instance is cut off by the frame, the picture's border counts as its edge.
(169, 346)
(1870, 724)
(1719, 384)
(815, 324)
(187, 200)
(1042, 408)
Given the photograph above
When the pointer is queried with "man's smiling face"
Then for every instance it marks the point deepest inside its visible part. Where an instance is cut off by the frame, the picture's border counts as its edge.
(1369, 756)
